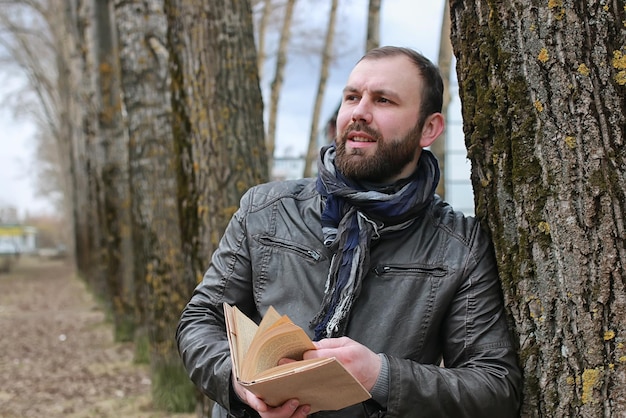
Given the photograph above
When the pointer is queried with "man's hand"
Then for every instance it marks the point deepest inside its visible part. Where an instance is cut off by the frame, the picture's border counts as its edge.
(291, 408)
(359, 360)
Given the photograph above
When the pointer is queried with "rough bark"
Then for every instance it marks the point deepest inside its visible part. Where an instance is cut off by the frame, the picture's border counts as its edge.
(115, 196)
(217, 127)
(155, 225)
(327, 52)
(544, 104)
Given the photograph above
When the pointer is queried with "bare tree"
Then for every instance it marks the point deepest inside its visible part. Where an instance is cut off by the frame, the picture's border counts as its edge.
(277, 83)
(373, 25)
(544, 113)
(444, 62)
(327, 53)
(261, 34)
(30, 39)
(48, 40)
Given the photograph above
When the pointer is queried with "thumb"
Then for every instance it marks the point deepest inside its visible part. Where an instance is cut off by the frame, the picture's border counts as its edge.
(332, 343)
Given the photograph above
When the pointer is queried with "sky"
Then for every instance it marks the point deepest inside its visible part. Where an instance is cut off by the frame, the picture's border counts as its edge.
(408, 23)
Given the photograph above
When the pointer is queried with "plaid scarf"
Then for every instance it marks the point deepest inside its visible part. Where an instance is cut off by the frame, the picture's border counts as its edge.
(352, 217)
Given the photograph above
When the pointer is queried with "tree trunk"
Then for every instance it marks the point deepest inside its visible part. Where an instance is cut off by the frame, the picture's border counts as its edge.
(159, 279)
(544, 112)
(277, 83)
(327, 52)
(89, 155)
(373, 25)
(71, 78)
(67, 113)
(115, 182)
(444, 61)
(217, 131)
(261, 32)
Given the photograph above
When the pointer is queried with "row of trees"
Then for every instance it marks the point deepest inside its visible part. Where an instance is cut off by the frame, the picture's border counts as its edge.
(151, 121)
(156, 109)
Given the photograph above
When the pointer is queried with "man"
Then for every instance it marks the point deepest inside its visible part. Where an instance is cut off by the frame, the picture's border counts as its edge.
(383, 275)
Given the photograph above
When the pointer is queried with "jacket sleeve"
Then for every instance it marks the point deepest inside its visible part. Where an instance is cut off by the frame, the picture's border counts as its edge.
(201, 333)
(480, 376)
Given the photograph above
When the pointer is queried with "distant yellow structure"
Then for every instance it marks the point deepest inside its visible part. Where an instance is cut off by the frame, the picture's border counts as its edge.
(15, 240)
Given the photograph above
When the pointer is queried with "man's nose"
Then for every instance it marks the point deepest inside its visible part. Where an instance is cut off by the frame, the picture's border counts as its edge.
(362, 112)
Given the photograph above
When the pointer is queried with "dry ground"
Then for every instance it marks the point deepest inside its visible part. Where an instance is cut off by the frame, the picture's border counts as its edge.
(57, 354)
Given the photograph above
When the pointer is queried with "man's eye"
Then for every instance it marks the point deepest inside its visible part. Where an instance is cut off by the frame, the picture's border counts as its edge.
(383, 100)
(351, 98)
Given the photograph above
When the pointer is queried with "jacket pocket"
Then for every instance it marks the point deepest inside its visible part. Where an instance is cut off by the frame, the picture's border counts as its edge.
(290, 246)
(389, 271)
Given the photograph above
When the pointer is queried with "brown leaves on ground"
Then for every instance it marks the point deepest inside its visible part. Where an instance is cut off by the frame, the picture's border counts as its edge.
(57, 354)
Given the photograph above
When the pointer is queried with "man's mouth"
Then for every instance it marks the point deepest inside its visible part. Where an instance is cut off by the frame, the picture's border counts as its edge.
(358, 136)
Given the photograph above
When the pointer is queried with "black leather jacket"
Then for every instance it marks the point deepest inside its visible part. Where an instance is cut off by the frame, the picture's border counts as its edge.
(432, 294)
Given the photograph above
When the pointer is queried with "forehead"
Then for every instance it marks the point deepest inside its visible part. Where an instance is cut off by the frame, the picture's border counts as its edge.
(396, 74)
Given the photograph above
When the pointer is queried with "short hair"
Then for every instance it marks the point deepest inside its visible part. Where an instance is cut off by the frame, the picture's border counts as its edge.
(432, 94)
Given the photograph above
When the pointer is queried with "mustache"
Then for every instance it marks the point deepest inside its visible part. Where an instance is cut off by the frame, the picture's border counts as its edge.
(359, 126)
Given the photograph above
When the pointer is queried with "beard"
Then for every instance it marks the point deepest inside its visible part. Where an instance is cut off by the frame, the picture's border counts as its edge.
(391, 156)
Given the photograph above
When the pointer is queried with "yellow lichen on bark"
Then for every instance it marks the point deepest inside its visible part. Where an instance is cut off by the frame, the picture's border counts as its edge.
(583, 70)
(591, 377)
(543, 55)
(619, 63)
(557, 4)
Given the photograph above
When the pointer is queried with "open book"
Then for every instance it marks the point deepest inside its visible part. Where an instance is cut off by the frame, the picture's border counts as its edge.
(255, 351)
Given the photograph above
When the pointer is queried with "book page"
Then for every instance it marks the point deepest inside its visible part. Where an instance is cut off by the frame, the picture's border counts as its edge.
(232, 336)
(284, 340)
(240, 330)
(323, 383)
(270, 318)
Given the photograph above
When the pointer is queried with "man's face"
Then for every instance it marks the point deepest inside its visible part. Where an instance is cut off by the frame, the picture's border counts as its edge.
(378, 137)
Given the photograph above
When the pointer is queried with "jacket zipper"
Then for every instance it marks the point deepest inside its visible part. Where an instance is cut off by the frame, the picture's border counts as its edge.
(422, 270)
(306, 252)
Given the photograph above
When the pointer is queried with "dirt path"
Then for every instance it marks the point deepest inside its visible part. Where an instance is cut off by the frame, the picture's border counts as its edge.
(57, 354)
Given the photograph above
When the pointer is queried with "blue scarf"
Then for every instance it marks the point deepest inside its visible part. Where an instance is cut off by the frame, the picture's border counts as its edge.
(352, 217)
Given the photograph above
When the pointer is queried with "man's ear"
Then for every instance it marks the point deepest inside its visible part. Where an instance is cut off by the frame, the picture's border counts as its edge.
(433, 127)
